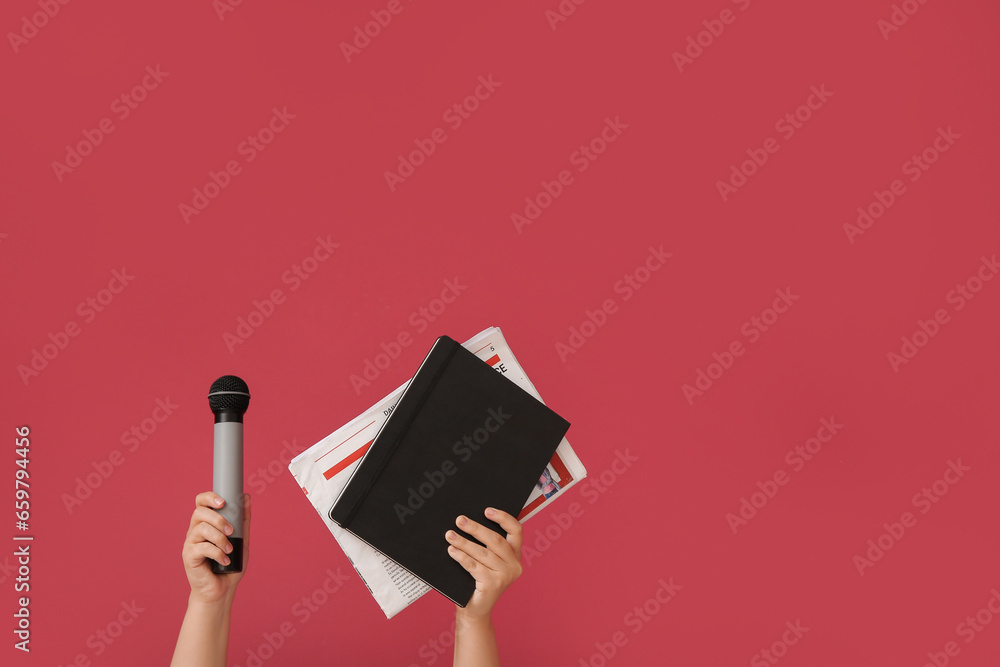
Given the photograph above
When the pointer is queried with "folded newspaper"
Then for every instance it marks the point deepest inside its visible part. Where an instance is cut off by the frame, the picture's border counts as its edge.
(322, 471)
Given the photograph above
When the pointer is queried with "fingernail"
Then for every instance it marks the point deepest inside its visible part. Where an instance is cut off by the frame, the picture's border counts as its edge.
(229, 548)
(219, 501)
(490, 511)
(451, 534)
(452, 550)
(225, 561)
(462, 521)
(229, 530)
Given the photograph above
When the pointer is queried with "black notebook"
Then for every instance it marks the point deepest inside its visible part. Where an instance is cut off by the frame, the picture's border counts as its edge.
(460, 439)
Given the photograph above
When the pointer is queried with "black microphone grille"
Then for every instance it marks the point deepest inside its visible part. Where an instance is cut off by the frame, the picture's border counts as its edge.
(229, 393)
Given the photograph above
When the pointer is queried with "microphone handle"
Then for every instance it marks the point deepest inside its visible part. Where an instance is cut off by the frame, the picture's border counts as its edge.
(227, 481)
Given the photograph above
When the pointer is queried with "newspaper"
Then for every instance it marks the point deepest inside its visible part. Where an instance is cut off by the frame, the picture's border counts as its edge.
(322, 471)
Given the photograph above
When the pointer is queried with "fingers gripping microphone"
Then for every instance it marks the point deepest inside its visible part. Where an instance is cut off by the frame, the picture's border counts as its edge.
(229, 398)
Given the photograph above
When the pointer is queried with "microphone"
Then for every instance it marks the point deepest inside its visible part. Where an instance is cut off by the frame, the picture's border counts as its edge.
(229, 398)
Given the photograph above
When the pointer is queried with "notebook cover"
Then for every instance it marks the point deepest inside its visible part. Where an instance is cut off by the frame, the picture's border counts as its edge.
(461, 438)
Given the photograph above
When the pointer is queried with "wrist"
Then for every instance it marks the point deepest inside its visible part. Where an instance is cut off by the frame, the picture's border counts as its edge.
(221, 604)
(466, 617)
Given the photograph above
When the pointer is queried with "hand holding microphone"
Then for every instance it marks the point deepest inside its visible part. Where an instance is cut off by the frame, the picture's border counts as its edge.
(216, 539)
(206, 546)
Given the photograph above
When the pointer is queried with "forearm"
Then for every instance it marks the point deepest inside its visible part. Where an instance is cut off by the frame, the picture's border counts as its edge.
(204, 636)
(475, 642)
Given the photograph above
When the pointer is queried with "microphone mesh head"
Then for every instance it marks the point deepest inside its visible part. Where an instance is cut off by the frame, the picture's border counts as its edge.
(237, 401)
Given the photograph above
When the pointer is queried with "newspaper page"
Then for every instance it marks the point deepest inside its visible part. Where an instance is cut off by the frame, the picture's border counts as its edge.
(322, 472)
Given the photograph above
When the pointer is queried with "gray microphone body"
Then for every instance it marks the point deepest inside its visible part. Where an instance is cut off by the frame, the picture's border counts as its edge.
(229, 398)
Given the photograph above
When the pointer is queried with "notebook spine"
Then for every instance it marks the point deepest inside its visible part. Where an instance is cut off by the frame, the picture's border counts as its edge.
(395, 428)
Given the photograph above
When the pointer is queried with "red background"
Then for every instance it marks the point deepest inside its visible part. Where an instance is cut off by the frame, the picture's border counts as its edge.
(323, 176)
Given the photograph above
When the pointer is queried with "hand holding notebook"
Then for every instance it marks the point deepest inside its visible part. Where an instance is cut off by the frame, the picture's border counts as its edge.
(494, 569)
(461, 438)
